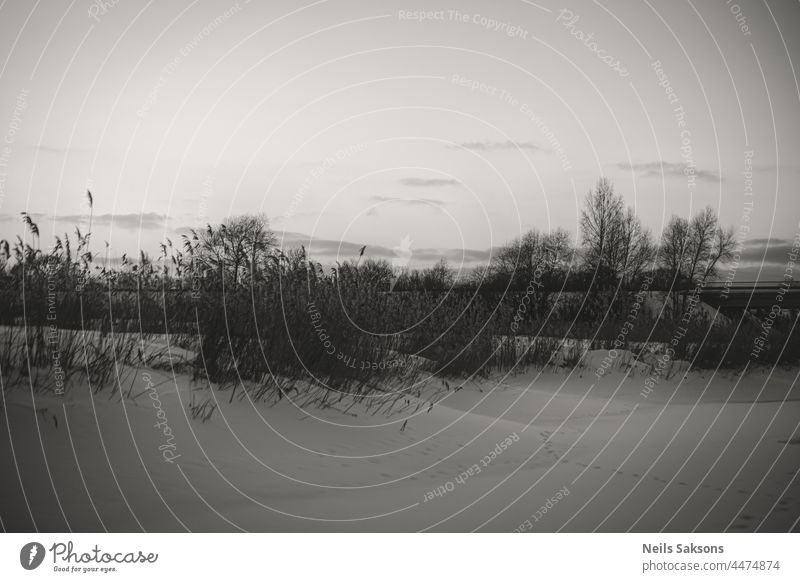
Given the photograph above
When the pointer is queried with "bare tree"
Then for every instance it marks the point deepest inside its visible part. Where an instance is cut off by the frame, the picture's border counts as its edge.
(673, 244)
(532, 255)
(535, 261)
(238, 249)
(722, 250)
(616, 244)
(692, 250)
(634, 248)
(601, 221)
(438, 277)
(702, 230)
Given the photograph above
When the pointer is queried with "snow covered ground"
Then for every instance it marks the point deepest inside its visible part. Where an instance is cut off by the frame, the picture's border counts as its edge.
(539, 451)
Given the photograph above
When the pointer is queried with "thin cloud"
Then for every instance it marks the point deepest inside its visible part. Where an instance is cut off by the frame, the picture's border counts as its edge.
(493, 146)
(329, 251)
(36, 216)
(453, 256)
(319, 248)
(428, 182)
(407, 201)
(769, 241)
(668, 169)
(285, 217)
(133, 221)
(773, 252)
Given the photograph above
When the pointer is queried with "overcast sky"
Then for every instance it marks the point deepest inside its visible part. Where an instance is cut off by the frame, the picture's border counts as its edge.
(360, 121)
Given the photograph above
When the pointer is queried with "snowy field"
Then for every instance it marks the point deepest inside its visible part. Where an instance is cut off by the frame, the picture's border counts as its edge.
(539, 451)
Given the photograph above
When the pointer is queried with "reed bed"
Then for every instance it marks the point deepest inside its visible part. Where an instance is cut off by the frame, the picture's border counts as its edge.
(264, 324)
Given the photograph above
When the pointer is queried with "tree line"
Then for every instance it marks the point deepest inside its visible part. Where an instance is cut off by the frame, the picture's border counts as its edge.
(240, 302)
(615, 251)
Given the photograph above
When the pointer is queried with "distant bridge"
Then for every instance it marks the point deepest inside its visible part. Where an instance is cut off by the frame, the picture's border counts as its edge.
(751, 295)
